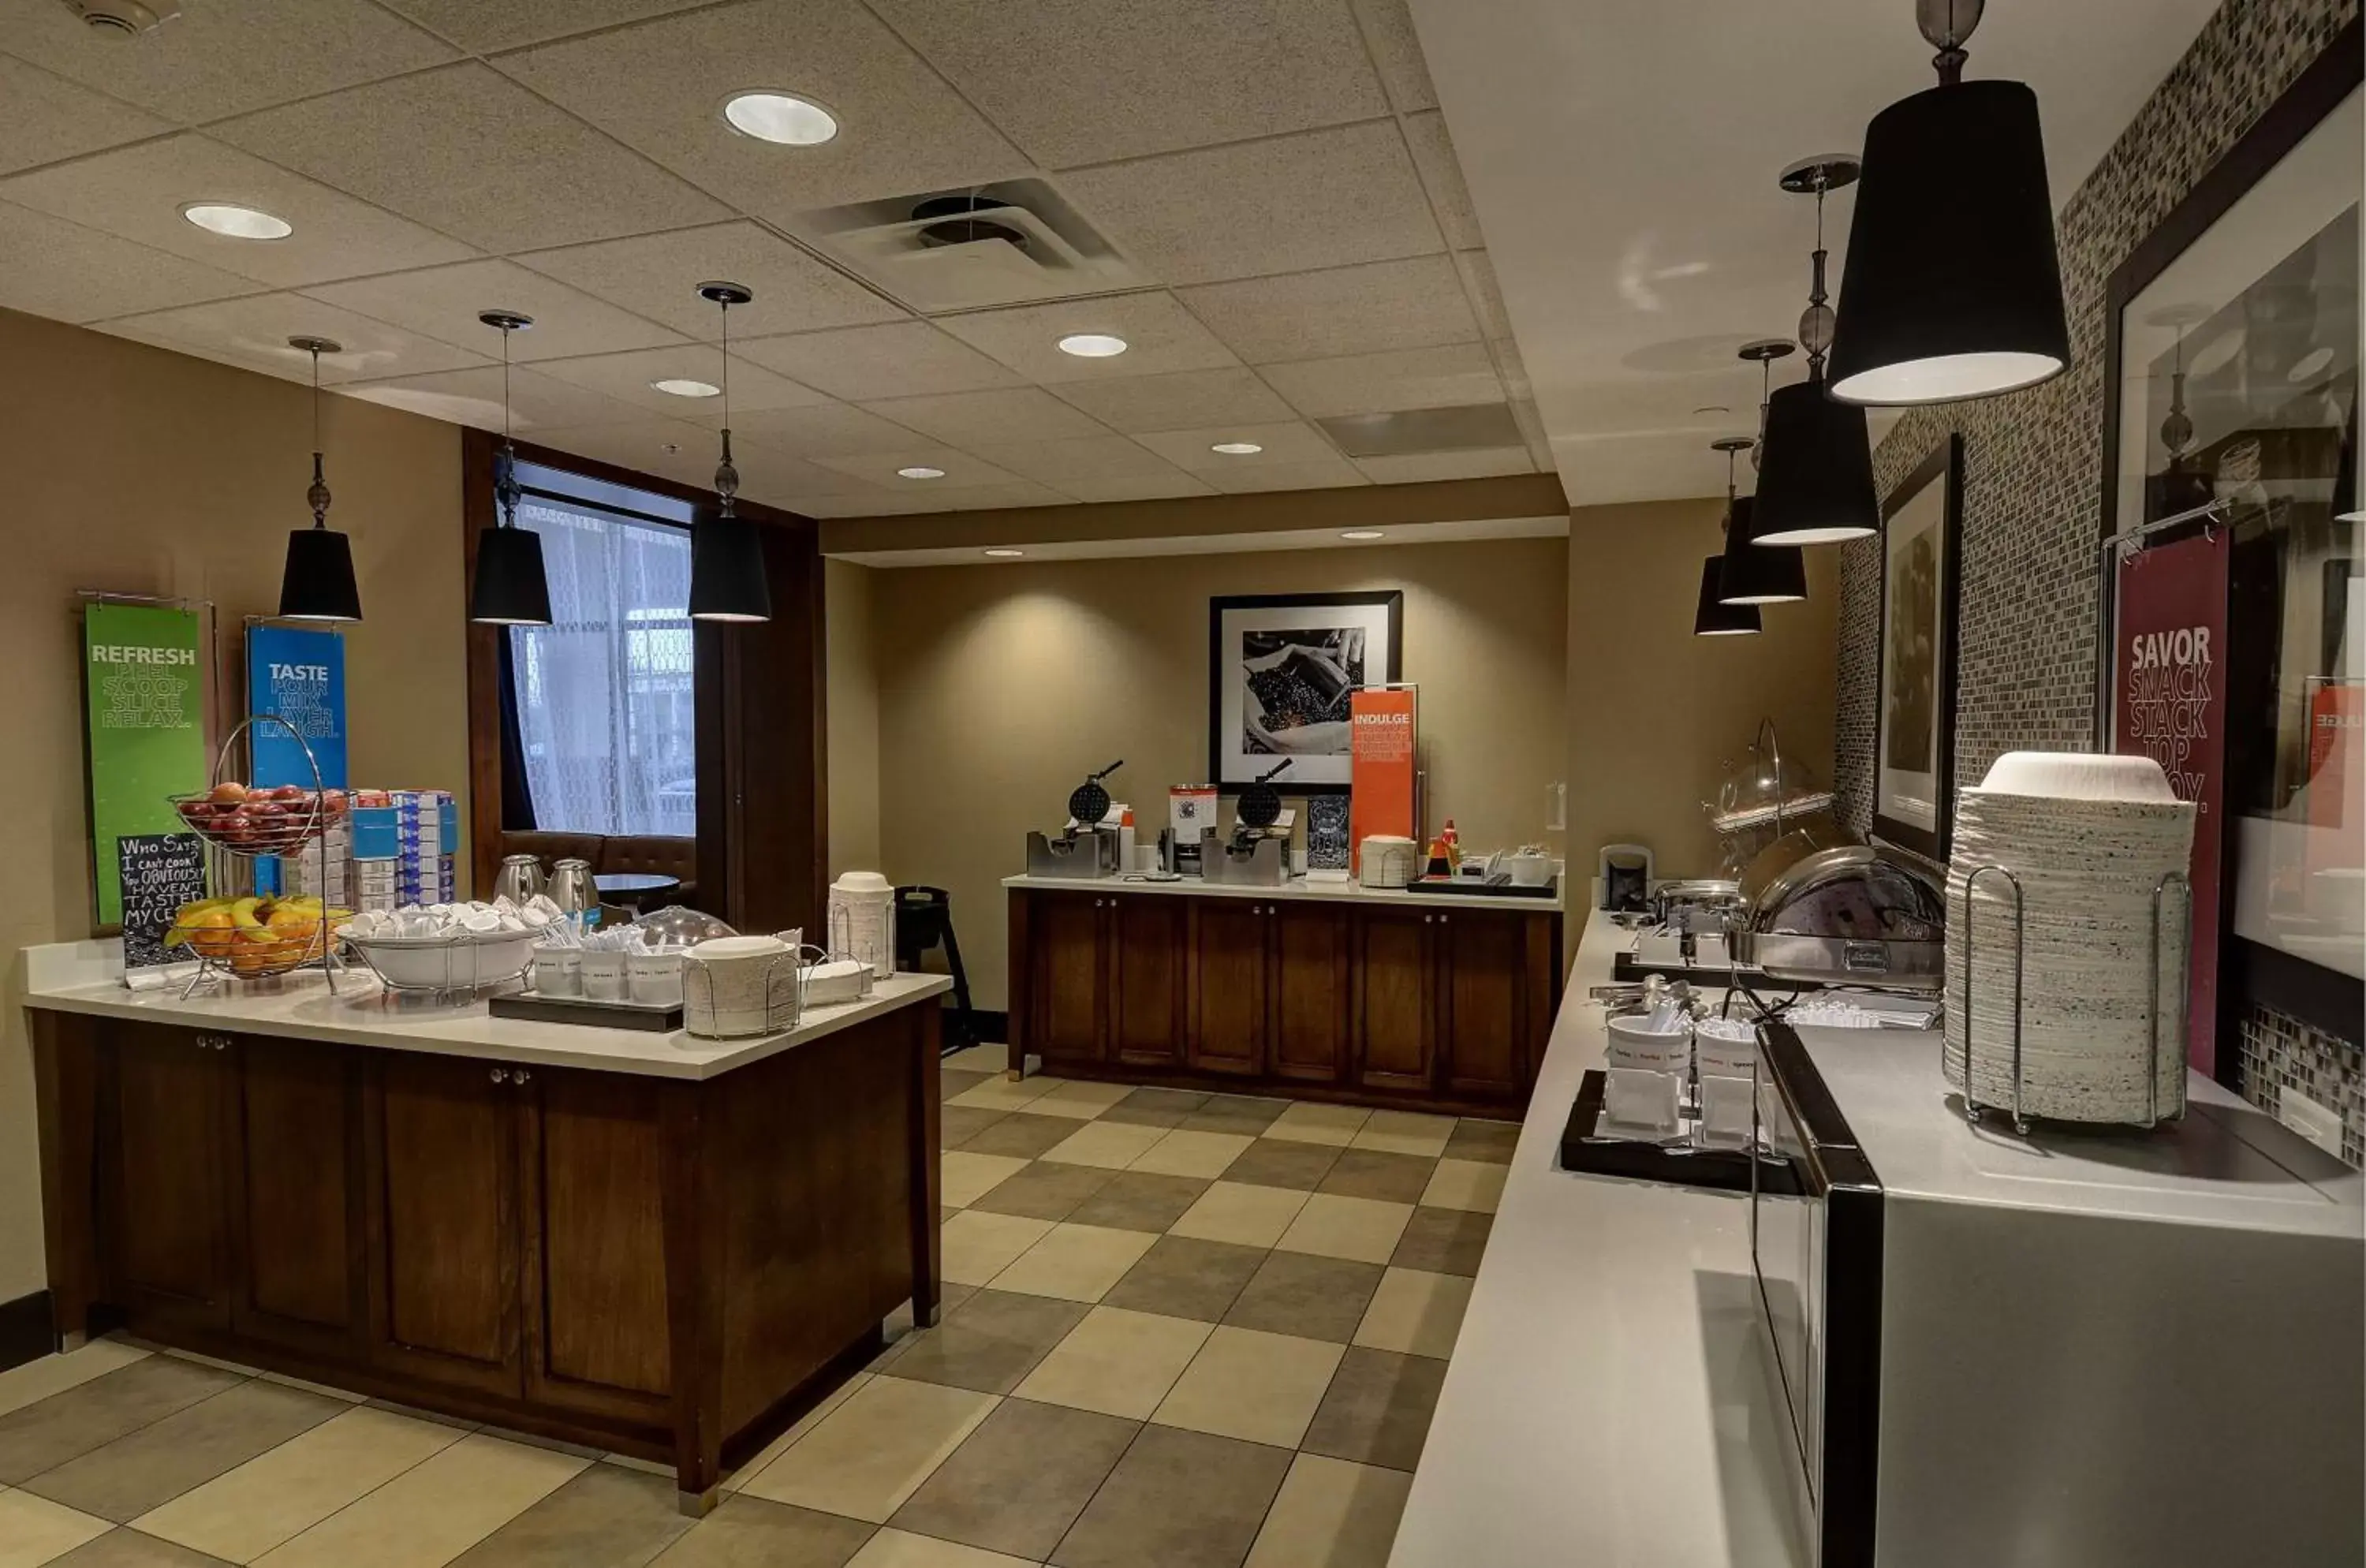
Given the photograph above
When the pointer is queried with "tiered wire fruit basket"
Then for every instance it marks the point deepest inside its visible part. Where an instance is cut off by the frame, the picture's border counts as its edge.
(237, 932)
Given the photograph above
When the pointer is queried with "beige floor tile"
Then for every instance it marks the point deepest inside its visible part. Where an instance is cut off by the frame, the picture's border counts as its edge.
(1333, 1513)
(645, 1466)
(1363, 1229)
(901, 1549)
(433, 1511)
(1416, 1311)
(1240, 1213)
(20, 1387)
(1080, 1100)
(1466, 1184)
(968, 1176)
(284, 1381)
(1000, 1094)
(34, 1529)
(1076, 1263)
(1404, 1133)
(872, 1453)
(977, 1246)
(1113, 1145)
(989, 1059)
(1116, 1361)
(780, 1445)
(1308, 1122)
(1187, 1153)
(1261, 1388)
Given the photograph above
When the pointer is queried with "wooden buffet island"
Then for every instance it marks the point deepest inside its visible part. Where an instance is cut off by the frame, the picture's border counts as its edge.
(1318, 990)
(652, 1244)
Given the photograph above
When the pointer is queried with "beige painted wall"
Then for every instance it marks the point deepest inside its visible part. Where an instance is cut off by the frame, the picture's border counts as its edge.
(133, 469)
(1000, 687)
(1656, 713)
(852, 699)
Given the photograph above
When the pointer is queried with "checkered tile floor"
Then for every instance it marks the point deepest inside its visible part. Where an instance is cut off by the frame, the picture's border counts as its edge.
(1181, 1331)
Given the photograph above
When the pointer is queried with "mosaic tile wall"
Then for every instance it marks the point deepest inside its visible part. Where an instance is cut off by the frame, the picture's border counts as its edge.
(2280, 1053)
(2034, 474)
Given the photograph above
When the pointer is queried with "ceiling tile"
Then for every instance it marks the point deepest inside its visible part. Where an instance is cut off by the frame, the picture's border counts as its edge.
(960, 469)
(464, 151)
(1402, 379)
(1441, 175)
(1292, 443)
(1051, 72)
(137, 193)
(1532, 430)
(658, 276)
(253, 331)
(664, 447)
(1183, 401)
(864, 503)
(972, 419)
(626, 377)
(73, 274)
(765, 472)
(215, 60)
(444, 302)
(45, 118)
(824, 430)
(1161, 336)
(1478, 272)
(1092, 457)
(896, 360)
(483, 28)
(474, 396)
(1341, 310)
(1327, 474)
(1388, 26)
(1164, 489)
(658, 87)
(1419, 467)
(1286, 204)
(998, 498)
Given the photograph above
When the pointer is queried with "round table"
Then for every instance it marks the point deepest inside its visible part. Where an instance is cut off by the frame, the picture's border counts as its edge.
(636, 890)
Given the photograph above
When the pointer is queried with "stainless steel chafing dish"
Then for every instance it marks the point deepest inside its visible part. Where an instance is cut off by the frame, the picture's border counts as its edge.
(1820, 908)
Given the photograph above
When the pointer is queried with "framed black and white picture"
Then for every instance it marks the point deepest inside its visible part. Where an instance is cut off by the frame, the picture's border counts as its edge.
(1279, 669)
(1914, 750)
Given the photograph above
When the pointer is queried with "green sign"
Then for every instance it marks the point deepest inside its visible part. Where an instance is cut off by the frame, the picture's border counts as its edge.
(144, 686)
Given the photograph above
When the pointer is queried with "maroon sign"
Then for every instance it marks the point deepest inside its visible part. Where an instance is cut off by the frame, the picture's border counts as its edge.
(2167, 703)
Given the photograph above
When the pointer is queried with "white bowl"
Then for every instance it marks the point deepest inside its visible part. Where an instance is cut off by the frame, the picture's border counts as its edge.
(839, 980)
(2078, 775)
(460, 963)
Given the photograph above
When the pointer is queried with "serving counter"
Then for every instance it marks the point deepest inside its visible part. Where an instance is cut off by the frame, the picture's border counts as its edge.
(649, 1243)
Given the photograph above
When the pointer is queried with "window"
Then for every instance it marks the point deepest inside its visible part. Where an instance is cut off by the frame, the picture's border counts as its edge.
(606, 710)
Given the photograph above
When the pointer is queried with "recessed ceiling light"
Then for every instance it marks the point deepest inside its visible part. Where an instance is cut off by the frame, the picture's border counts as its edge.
(919, 471)
(780, 117)
(1006, 554)
(1092, 345)
(1236, 449)
(680, 387)
(1362, 533)
(237, 222)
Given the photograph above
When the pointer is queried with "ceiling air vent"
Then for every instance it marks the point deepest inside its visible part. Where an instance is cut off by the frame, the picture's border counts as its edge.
(1472, 427)
(1007, 244)
(123, 18)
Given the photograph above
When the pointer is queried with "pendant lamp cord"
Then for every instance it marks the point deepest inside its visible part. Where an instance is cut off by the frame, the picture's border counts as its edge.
(1816, 322)
(505, 482)
(727, 475)
(318, 494)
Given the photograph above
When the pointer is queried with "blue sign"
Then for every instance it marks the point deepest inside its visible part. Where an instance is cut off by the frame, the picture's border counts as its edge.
(299, 674)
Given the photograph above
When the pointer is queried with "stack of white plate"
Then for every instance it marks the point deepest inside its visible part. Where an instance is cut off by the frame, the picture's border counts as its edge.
(2090, 838)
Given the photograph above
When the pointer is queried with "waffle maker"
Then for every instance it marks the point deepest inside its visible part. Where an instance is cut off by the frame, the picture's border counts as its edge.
(1255, 857)
(1083, 849)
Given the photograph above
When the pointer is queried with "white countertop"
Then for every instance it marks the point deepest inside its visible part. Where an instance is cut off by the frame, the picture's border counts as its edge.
(1612, 1400)
(85, 977)
(1299, 889)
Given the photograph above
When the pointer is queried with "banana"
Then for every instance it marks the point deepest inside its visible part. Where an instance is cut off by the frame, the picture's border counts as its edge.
(244, 913)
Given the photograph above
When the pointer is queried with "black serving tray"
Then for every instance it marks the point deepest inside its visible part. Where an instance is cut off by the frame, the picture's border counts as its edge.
(1479, 888)
(1717, 1170)
(592, 1014)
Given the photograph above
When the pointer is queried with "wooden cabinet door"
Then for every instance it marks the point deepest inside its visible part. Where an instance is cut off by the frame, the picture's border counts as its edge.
(1230, 964)
(1394, 1017)
(1483, 1024)
(1307, 1038)
(295, 1175)
(591, 1192)
(1067, 974)
(442, 1219)
(168, 1130)
(1146, 992)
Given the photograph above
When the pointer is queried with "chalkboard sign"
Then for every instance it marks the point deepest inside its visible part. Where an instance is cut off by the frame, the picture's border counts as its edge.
(160, 873)
(1327, 832)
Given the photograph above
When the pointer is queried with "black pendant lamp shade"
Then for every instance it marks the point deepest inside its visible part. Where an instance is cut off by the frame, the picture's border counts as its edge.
(1758, 574)
(1713, 617)
(1952, 288)
(511, 588)
(1814, 470)
(317, 582)
(726, 557)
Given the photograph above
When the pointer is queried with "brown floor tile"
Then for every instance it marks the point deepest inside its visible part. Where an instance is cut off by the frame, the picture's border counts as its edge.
(1272, 1162)
(149, 1467)
(47, 1432)
(987, 1343)
(1019, 1481)
(1180, 1100)
(1444, 1241)
(750, 1532)
(606, 1517)
(957, 1124)
(1046, 1190)
(1178, 1500)
(129, 1549)
(1492, 1141)
(1020, 1133)
(1370, 1173)
(1377, 1408)
(1184, 1278)
(1314, 1298)
(1140, 1201)
(951, 1082)
(1235, 1113)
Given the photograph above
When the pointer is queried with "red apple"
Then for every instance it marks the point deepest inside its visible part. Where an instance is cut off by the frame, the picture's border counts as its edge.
(333, 802)
(288, 792)
(230, 792)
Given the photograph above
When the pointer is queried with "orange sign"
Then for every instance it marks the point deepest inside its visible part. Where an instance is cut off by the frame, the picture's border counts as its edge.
(1380, 753)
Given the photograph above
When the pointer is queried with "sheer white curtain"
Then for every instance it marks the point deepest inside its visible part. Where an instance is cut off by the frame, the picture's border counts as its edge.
(604, 699)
